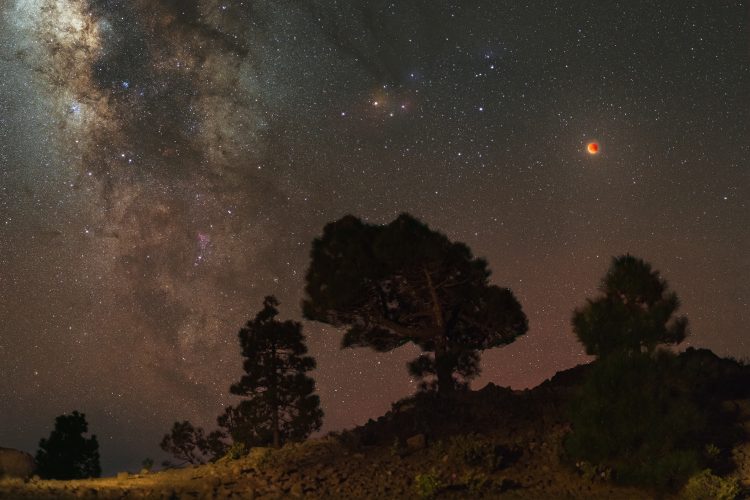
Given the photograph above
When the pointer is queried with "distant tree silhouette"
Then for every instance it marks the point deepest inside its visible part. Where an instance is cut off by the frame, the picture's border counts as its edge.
(281, 405)
(637, 413)
(403, 282)
(191, 445)
(67, 454)
(634, 314)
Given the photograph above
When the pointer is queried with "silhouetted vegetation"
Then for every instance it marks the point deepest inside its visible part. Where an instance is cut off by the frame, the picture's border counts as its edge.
(632, 419)
(67, 453)
(641, 414)
(634, 314)
(191, 445)
(281, 405)
(402, 282)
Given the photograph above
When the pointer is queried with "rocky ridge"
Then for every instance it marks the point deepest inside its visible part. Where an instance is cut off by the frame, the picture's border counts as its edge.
(490, 443)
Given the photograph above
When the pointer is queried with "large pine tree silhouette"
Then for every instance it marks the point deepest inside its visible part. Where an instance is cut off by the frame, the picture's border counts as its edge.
(280, 404)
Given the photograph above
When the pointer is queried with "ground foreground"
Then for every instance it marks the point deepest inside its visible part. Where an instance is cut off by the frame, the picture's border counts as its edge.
(492, 443)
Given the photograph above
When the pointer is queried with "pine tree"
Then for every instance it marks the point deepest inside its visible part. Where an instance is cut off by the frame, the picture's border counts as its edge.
(633, 314)
(281, 405)
(636, 413)
(405, 283)
(191, 445)
(67, 453)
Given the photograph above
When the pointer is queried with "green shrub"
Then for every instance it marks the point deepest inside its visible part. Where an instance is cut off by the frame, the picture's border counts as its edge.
(474, 451)
(427, 485)
(707, 486)
(268, 458)
(237, 450)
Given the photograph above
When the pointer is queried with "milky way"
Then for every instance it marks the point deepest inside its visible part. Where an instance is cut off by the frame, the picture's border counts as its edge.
(165, 164)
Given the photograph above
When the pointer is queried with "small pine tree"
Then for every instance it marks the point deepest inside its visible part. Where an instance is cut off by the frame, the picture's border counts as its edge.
(281, 405)
(634, 314)
(67, 454)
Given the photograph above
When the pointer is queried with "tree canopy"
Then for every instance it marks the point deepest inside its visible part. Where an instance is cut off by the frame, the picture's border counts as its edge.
(280, 403)
(67, 453)
(191, 445)
(634, 313)
(403, 282)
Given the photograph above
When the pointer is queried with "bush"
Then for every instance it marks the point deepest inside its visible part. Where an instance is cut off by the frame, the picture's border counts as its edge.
(474, 451)
(635, 417)
(476, 482)
(237, 450)
(67, 453)
(427, 485)
(707, 486)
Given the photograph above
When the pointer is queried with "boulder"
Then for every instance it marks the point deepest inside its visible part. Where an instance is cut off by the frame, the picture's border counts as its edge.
(15, 463)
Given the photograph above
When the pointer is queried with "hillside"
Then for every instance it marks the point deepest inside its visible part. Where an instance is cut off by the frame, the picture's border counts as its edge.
(489, 443)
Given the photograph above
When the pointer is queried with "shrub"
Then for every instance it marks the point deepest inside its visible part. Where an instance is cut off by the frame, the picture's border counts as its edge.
(707, 486)
(474, 451)
(476, 482)
(427, 485)
(237, 450)
(634, 417)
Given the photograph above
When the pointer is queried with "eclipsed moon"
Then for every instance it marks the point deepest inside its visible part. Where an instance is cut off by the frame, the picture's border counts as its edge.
(592, 148)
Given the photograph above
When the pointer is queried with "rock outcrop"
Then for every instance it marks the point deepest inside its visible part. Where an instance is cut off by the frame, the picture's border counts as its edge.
(15, 463)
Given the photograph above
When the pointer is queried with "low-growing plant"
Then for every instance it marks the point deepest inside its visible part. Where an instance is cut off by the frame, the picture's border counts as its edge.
(476, 482)
(474, 451)
(712, 452)
(264, 458)
(707, 486)
(427, 485)
(591, 472)
(147, 464)
(237, 450)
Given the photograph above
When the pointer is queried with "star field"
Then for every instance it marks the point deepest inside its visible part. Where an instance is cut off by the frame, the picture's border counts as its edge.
(164, 165)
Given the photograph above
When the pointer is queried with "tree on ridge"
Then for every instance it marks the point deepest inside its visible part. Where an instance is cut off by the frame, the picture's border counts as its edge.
(635, 312)
(280, 404)
(67, 453)
(403, 282)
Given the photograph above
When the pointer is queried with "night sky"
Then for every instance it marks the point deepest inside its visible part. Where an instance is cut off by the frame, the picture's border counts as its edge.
(164, 164)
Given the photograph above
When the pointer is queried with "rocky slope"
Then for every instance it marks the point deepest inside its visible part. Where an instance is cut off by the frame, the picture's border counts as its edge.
(490, 443)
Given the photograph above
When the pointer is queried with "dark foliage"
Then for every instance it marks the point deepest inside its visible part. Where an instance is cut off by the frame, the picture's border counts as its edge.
(634, 313)
(634, 417)
(645, 414)
(191, 445)
(402, 282)
(67, 454)
(281, 405)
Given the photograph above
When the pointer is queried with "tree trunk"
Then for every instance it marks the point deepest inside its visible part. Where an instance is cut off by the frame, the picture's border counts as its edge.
(274, 399)
(443, 369)
(443, 366)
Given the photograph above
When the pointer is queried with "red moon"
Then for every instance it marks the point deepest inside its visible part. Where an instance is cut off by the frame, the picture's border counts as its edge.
(592, 148)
